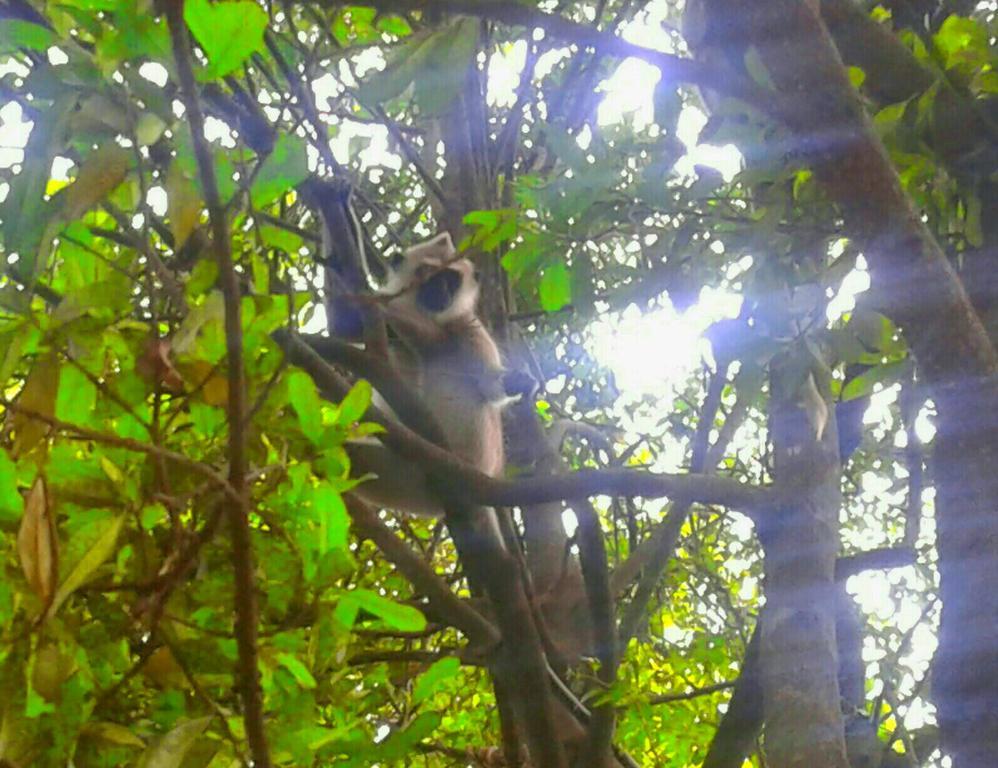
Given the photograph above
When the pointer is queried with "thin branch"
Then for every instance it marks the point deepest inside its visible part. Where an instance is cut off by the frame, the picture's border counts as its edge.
(662, 543)
(596, 576)
(237, 509)
(673, 68)
(77, 432)
(707, 690)
(424, 580)
(873, 559)
(416, 655)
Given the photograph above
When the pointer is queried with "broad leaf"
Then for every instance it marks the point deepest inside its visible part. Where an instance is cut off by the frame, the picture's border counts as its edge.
(396, 616)
(100, 173)
(94, 558)
(555, 288)
(37, 546)
(229, 32)
(170, 750)
(11, 502)
(284, 167)
(433, 679)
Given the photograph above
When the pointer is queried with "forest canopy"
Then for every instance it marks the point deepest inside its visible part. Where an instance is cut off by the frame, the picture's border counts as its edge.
(739, 261)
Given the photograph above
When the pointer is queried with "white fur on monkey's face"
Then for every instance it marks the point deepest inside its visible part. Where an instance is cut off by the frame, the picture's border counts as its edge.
(433, 256)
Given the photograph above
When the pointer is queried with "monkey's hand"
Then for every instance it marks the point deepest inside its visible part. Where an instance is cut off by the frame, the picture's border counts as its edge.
(517, 383)
(502, 386)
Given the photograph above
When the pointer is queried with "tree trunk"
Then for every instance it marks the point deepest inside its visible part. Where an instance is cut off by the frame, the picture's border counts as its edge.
(913, 284)
(798, 664)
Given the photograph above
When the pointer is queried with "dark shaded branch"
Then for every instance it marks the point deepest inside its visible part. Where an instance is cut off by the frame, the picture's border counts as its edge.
(742, 722)
(596, 575)
(424, 580)
(660, 546)
(469, 485)
(696, 693)
(874, 559)
(237, 509)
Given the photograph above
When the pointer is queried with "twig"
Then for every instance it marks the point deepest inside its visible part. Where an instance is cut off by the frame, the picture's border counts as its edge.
(237, 508)
(668, 698)
(424, 580)
(674, 68)
(75, 431)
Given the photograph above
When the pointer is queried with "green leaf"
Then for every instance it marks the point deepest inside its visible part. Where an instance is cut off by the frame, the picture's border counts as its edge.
(202, 278)
(304, 398)
(434, 65)
(229, 32)
(112, 733)
(881, 374)
(874, 330)
(297, 669)
(857, 77)
(151, 516)
(555, 288)
(356, 402)
(170, 750)
(11, 501)
(77, 396)
(493, 227)
(282, 239)
(521, 258)
(433, 679)
(15, 34)
(962, 40)
(94, 558)
(332, 517)
(284, 167)
(396, 616)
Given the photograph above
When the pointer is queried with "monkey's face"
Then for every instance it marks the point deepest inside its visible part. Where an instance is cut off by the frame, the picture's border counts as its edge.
(446, 292)
(433, 281)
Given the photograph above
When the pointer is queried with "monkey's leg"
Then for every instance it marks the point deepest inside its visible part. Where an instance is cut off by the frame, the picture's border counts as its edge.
(399, 484)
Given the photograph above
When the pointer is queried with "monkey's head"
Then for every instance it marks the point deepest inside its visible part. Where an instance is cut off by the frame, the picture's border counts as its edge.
(434, 281)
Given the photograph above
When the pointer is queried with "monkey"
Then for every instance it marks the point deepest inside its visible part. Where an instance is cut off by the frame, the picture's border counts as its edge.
(448, 355)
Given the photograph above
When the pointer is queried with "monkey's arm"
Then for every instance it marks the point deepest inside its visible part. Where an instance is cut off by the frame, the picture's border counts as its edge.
(416, 330)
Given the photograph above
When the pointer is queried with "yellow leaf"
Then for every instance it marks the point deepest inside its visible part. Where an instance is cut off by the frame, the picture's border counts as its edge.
(38, 395)
(216, 391)
(184, 205)
(51, 668)
(37, 546)
(100, 173)
(170, 750)
(162, 668)
(112, 471)
(112, 733)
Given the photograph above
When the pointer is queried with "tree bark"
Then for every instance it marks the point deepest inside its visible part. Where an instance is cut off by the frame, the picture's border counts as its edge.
(914, 284)
(798, 665)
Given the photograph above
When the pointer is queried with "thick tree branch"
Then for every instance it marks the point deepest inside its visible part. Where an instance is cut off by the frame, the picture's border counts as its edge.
(464, 483)
(596, 575)
(237, 510)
